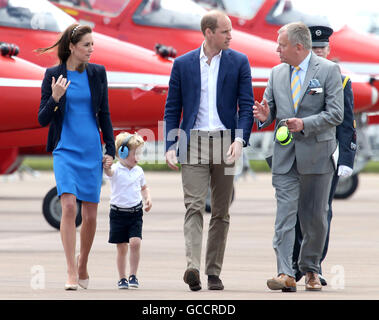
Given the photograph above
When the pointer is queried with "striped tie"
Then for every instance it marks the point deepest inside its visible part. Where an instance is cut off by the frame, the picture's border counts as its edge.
(295, 86)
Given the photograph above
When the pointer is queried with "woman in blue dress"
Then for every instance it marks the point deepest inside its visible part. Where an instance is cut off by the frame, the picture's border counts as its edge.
(74, 103)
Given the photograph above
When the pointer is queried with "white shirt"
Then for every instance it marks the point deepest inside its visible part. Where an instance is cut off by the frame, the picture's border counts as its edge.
(126, 185)
(207, 118)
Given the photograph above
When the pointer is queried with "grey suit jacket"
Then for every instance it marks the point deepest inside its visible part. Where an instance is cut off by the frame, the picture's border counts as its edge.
(321, 113)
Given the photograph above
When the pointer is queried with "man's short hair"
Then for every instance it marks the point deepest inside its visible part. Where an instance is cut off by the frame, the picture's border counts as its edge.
(209, 20)
(298, 32)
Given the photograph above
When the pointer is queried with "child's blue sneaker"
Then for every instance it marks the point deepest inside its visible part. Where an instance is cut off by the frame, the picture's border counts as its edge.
(133, 281)
(123, 284)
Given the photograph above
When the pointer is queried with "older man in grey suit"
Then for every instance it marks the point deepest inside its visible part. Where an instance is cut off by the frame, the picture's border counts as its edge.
(305, 94)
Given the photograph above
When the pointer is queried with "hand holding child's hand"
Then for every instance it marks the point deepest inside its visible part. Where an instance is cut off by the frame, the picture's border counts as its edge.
(107, 161)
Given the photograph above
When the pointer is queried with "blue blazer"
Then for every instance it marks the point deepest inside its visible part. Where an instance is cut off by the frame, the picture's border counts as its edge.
(346, 132)
(234, 96)
(52, 113)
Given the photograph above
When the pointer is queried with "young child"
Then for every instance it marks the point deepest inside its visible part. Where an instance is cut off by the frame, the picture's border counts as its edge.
(128, 188)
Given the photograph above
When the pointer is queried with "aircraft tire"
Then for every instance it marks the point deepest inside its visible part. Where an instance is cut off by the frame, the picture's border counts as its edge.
(346, 187)
(52, 210)
(208, 208)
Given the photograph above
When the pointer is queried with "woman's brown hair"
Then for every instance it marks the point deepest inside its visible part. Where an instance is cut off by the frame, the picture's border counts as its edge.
(73, 34)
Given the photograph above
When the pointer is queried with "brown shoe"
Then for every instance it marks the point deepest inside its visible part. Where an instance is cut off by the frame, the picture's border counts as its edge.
(312, 282)
(192, 278)
(282, 282)
(215, 283)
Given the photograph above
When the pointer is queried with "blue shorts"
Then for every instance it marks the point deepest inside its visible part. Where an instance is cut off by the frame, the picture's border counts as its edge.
(124, 225)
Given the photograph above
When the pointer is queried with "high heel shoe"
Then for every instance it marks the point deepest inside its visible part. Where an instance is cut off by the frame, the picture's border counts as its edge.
(83, 283)
(70, 286)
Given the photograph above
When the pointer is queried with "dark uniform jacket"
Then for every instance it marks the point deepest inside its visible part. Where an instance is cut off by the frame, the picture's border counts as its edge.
(346, 132)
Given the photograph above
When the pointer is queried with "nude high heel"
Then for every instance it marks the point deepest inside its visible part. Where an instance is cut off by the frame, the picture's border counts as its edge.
(70, 286)
(82, 282)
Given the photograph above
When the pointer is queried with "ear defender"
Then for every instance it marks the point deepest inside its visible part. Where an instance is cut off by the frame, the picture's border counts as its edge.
(123, 151)
(283, 135)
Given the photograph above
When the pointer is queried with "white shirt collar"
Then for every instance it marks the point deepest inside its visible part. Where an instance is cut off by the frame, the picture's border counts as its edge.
(202, 54)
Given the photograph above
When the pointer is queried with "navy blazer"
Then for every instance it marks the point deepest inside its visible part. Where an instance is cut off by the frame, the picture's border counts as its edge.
(52, 113)
(234, 96)
(346, 132)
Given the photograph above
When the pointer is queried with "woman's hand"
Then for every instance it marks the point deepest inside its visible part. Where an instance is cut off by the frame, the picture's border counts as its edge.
(59, 87)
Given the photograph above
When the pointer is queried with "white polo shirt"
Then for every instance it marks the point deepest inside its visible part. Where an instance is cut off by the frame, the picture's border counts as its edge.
(126, 185)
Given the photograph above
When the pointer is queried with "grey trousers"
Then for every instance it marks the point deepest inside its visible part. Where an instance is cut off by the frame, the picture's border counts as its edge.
(312, 210)
(207, 167)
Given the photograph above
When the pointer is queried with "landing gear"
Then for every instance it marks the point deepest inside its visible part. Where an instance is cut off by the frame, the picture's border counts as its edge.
(346, 186)
(52, 210)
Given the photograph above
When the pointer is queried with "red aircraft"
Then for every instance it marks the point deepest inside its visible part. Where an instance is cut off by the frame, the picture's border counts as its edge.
(26, 22)
(354, 50)
(264, 18)
(184, 35)
(176, 24)
(137, 78)
(10, 119)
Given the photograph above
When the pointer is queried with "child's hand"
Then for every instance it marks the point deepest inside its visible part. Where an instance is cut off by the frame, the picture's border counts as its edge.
(148, 204)
(146, 198)
(107, 161)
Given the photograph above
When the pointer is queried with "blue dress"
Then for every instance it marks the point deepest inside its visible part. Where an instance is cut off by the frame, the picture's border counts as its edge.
(78, 156)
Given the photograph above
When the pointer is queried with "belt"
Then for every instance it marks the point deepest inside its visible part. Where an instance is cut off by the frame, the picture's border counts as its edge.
(211, 134)
(134, 209)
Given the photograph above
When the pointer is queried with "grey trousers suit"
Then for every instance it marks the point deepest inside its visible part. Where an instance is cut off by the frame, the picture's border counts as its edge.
(305, 165)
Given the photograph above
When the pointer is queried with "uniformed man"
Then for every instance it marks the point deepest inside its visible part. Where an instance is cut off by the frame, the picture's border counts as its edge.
(346, 137)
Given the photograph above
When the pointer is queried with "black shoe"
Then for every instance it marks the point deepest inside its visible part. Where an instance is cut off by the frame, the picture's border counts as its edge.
(192, 278)
(322, 280)
(215, 283)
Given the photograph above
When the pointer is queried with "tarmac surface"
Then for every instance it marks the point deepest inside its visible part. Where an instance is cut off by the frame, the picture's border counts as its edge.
(32, 263)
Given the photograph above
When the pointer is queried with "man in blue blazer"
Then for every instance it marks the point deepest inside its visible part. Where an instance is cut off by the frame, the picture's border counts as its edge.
(208, 120)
